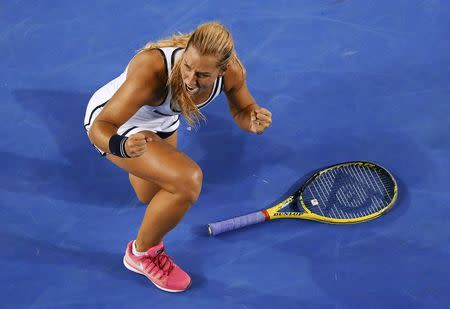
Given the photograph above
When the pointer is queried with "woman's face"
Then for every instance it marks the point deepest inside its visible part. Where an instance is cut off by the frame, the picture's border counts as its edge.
(199, 72)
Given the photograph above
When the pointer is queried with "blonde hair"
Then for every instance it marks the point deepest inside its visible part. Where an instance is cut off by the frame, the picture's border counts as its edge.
(211, 39)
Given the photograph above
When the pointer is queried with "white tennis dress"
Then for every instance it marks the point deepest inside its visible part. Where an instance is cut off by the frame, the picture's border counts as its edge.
(164, 118)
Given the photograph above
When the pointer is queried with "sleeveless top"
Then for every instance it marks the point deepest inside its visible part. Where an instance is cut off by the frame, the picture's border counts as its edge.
(162, 118)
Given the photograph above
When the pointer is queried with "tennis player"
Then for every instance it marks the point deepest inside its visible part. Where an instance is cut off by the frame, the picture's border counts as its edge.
(133, 121)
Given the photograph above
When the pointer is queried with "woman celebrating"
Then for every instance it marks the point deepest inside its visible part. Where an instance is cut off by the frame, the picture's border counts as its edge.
(133, 121)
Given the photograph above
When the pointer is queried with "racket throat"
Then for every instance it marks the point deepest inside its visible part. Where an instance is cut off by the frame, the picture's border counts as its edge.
(266, 215)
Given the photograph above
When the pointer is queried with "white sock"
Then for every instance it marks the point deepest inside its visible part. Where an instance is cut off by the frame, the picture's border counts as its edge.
(135, 252)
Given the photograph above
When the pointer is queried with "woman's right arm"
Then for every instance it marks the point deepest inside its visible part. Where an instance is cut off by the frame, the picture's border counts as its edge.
(145, 85)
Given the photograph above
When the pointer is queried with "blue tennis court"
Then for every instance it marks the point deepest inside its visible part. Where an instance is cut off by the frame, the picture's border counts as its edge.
(344, 80)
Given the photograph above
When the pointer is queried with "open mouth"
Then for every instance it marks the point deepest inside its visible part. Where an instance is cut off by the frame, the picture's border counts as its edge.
(191, 90)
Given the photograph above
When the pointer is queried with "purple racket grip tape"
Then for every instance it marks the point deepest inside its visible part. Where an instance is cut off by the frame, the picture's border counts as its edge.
(235, 223)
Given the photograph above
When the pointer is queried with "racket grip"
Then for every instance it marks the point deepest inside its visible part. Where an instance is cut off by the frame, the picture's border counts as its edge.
(235, 223)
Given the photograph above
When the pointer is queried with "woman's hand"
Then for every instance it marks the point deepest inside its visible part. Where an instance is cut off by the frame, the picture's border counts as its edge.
(136, 145)
(260, 119)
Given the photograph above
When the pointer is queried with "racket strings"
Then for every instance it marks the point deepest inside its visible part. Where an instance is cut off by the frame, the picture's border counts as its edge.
(349, 192)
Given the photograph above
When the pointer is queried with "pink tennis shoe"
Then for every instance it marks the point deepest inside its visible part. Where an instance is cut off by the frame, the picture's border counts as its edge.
(157, 266)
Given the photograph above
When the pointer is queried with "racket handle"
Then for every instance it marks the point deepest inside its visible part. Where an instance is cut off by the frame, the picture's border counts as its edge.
(235, 223)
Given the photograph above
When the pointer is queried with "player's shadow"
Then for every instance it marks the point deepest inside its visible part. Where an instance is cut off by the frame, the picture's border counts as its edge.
(79, 174)
(37, 252)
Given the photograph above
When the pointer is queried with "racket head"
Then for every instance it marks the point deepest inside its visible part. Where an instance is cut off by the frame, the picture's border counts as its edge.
(349, 192)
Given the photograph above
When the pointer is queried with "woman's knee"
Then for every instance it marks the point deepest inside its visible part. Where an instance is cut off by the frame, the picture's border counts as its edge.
(189, 183)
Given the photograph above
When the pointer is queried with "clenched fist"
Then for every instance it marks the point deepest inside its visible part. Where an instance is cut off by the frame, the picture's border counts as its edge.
(260, 120)
(136, 145)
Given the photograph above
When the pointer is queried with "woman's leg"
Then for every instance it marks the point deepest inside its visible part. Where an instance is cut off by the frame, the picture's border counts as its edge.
(179, 179)
(144, 189)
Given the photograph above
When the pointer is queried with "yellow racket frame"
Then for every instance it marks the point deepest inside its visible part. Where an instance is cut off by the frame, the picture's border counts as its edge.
(273, 213)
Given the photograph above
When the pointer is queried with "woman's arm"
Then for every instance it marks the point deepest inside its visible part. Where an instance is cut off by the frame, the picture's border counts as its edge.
(247, 114)
(144, 85)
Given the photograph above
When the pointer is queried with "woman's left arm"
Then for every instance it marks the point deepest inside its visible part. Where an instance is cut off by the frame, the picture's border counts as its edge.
(247, 114)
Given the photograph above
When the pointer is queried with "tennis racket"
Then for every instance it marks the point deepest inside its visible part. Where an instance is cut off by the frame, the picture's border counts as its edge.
(344, 193)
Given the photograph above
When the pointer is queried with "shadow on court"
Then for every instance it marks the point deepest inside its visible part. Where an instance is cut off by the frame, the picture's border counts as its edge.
(81, 174)
(42, 252)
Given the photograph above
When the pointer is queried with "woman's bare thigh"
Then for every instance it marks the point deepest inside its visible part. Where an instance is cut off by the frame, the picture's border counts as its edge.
(146, 188)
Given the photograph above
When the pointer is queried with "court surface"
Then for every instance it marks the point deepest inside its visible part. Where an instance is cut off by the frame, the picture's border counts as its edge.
(345, 80)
